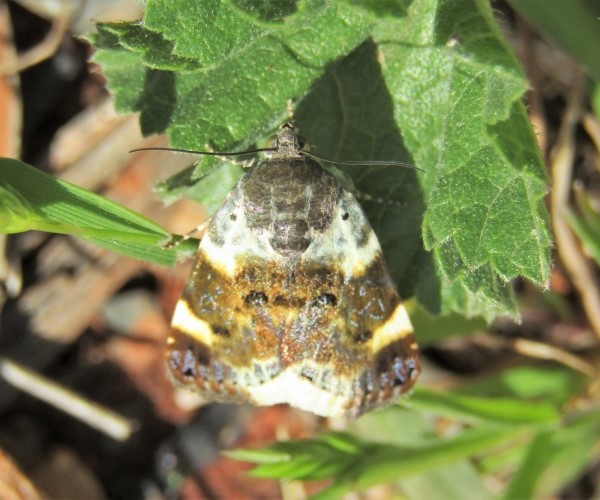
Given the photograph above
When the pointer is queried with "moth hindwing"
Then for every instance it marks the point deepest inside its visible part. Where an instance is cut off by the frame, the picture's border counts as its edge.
(290, 300)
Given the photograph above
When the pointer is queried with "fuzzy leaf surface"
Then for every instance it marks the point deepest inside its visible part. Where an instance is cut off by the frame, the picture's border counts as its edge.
(429, 82)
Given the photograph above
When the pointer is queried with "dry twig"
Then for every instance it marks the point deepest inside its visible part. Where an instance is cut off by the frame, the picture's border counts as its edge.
(93, 414)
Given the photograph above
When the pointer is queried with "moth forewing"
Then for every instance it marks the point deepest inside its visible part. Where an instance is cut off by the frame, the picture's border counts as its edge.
(290, 300)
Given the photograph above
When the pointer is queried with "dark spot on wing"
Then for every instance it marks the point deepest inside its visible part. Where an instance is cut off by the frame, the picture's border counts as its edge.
(362, 235)
(219, 330)
(280, 300)
(259, 374)
(412, 368)
(189, 363)
(203, 355)
(218, 372)
(273, 369)
(396, 365)
(175, 360)
(399, 371)
(359, 338)
(325, 299)
(308, 373)
(345, 216)
(255, 298)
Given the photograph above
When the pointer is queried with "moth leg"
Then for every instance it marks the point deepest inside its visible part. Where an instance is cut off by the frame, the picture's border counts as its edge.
(375, 199)
(224, 158)
(346, 183)
(177, 239)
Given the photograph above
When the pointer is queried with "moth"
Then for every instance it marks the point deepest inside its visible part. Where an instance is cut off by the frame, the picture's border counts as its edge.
(290, 300)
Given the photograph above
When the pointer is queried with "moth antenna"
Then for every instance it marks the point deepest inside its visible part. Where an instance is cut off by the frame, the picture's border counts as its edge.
(363, 162)
(240, 163)
(206, 153)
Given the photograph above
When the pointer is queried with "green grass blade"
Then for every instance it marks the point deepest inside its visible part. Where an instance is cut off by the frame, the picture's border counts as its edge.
(536, 459)
(357, 465)
(33, 200)
(491, 409)
(586, 233)
(555, 457)
(393, 463)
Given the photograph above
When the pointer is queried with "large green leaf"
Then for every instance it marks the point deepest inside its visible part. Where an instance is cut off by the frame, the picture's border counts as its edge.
(430, 82)
(456, 91)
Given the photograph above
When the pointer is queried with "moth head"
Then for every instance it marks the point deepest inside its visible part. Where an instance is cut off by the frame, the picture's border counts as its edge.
(287, 143)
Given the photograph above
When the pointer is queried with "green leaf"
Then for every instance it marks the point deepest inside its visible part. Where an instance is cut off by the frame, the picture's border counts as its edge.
(575, 446)
(587, 210)
(399, 426)
(586, 233)
(430, 329)
(213, 29)
(363, 129)
(412, 455)
(536, 459)
(126, 76)
(215, 186)
(33, 200)
(555, 457)
(455, 481)
(366, 464)
(262, 67)
(586, 227)
(389, 463)
(489, 409)
(573, 24)
(208, 181)
(259, 455)
(428, 82)
(155, 51)
(456, 91)
(555, 385)
(596, 100)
